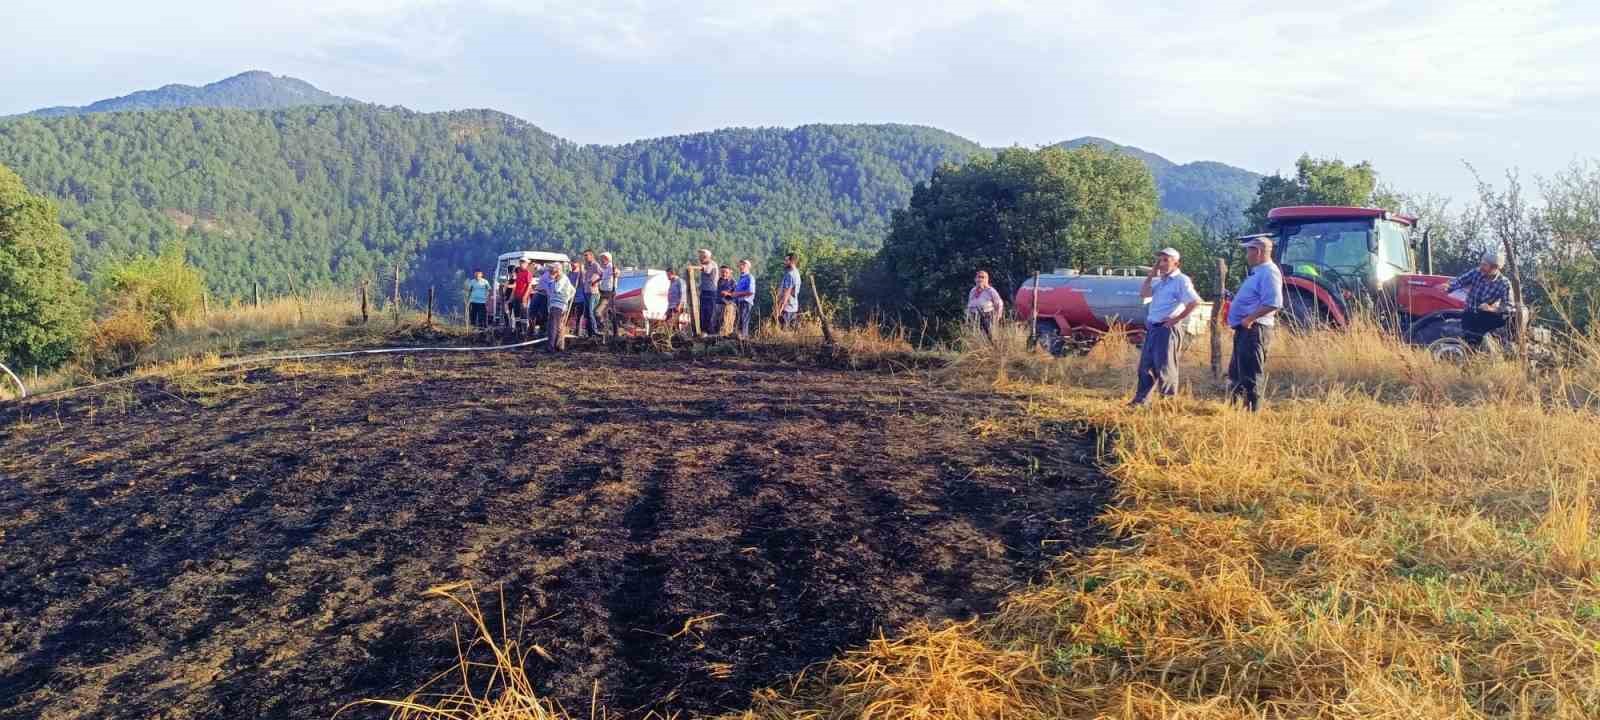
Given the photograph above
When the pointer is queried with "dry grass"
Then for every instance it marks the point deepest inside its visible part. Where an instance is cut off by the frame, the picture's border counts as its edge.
(496, 690)
(124, 344)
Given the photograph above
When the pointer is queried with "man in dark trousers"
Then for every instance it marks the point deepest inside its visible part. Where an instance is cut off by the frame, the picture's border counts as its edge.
(1252, 315)
(1488, 298)
(478, 289)
(1172, 297)
(707, 280)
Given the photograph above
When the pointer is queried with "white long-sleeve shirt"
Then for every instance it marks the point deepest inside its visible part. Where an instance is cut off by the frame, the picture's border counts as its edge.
(985, 300)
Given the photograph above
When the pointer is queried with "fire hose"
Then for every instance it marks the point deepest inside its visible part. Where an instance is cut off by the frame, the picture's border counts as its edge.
(284, 358)
(16, 380)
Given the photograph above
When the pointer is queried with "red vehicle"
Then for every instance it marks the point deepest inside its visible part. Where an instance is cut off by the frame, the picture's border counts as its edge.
(1075, 308)
(1337, 259)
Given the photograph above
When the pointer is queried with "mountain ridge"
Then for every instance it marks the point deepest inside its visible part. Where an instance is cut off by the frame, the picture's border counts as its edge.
(249, 90)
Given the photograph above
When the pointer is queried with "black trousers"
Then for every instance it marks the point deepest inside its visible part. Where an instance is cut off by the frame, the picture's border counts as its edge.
(1247, 368)
(478, 315)
(710, 313)
(1477, 323)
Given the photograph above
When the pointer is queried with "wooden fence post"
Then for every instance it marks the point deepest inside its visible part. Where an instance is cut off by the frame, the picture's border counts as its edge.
(1216, 319)
(822, 312)
(430, 306)
(694, 298)
(1516, 302)
(1033, 324)
(205, 303)
(299, 310)
(363, 302)
(256, 285)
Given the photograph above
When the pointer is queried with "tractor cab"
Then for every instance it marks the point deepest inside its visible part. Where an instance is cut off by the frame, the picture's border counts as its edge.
(1336, 258)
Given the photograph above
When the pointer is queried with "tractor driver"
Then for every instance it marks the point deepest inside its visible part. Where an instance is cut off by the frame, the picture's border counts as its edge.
(1488, 298)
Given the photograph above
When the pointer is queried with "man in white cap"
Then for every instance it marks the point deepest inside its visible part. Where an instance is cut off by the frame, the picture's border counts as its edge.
(606, 310)
(1251, 314)
(1488, 298)
(1171, 297)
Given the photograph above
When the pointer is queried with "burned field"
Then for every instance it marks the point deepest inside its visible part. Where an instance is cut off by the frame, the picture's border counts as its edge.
(255, 543)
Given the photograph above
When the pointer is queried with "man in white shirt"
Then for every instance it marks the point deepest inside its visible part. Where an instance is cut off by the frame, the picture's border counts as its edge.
(984, 305)
(707, 292)
(1172, 297)
(561, 293)
(606, 310)
(788, 304)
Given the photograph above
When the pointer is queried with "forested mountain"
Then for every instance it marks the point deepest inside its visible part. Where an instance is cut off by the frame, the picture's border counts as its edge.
(327, 194)
(1197, 189)
(253, 90)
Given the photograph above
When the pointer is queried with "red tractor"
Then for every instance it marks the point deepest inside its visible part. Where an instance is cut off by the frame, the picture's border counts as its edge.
(1337, 259)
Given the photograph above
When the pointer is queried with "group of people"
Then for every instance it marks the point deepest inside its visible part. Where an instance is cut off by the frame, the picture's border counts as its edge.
(580, 298)
(1252, 316)
(544, 303)
(727, 303)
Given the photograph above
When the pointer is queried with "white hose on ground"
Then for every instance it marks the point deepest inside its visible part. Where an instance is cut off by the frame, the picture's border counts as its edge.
(293, 356)
(16, 380)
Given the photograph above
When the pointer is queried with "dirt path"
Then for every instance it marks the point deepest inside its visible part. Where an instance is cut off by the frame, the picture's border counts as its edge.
(255, 544)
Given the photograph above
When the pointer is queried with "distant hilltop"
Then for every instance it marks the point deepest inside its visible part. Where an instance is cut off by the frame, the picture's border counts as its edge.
(253, 90)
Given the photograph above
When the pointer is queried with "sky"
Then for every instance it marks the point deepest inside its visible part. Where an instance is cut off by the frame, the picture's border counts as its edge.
(1417, 87)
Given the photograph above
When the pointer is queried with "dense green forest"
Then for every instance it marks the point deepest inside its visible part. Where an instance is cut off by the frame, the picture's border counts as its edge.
(330, 195)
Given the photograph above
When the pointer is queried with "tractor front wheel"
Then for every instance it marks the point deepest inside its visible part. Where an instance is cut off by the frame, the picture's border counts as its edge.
(1303, 313)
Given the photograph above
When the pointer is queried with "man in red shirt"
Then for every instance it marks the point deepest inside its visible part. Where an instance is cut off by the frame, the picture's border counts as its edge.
(521, 290)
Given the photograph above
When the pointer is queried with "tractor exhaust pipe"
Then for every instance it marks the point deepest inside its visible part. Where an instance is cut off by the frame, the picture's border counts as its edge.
(1427, 250)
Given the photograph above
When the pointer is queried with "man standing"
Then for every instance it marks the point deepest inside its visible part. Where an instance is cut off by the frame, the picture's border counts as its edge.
(984, 304)
(561, 293)
(1172, 297)
(674, 300)
(1488, 298)
(591, 293)
(708, 292)
(1252, 315)
(580, 297)
(788, 305)
(608, 291)
(521, 291)
(725, 312)
(744, 297)
(478, 300)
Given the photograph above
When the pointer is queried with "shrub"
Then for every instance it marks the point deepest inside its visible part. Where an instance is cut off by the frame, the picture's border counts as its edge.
(118, 338)
(165, 288)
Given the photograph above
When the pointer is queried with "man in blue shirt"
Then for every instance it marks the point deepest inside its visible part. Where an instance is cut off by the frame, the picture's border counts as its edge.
(478, 300)
(788, 304)
(1252, 315)
(744, 297)
(1172, 297)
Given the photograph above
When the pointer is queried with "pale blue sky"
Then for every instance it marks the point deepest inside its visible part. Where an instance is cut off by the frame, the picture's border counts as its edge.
(1416, 87)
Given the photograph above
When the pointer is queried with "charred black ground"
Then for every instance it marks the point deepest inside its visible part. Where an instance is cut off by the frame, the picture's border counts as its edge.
(254, 543)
